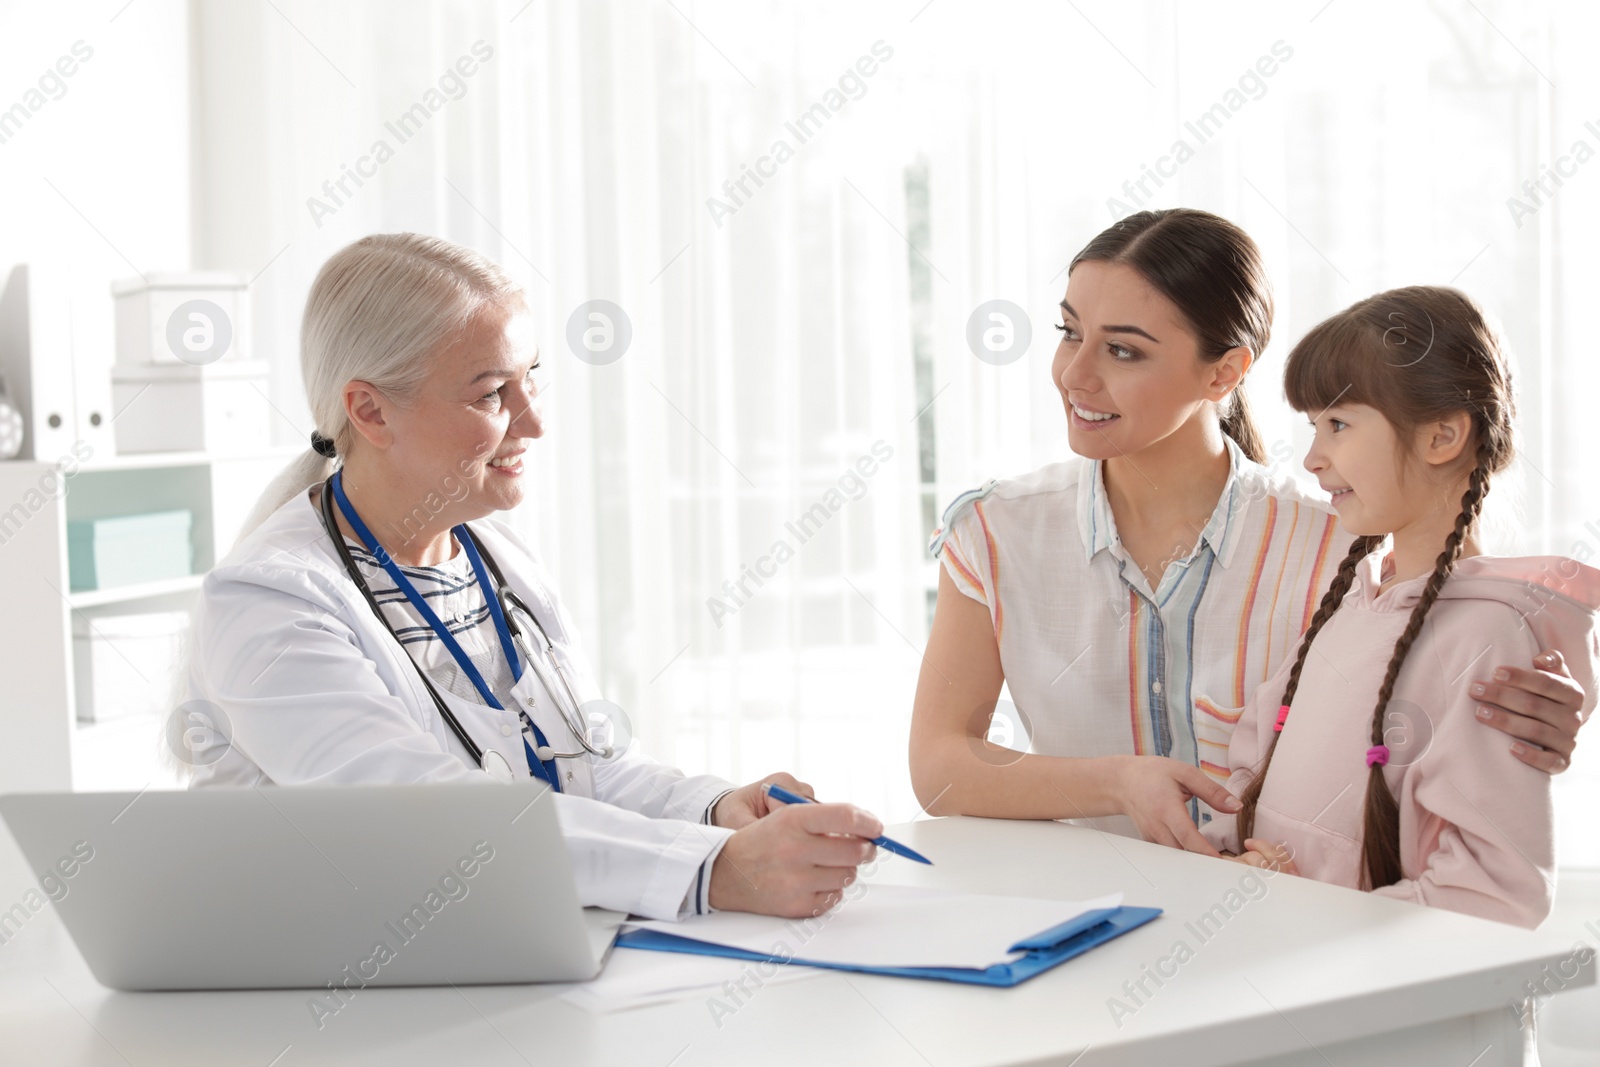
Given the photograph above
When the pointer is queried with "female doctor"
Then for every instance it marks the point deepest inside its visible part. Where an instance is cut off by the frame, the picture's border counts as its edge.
(451, 657)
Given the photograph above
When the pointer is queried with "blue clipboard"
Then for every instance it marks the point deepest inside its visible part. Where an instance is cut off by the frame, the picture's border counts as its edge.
(1054, 946)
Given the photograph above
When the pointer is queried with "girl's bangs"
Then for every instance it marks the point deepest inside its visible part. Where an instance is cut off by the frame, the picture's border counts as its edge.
(1330, 365)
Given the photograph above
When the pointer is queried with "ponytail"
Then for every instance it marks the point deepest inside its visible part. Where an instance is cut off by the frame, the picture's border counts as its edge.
(304, 471)
(1237, 424)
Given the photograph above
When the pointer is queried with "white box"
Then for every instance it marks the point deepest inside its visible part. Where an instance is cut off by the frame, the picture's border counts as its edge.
(188, 319)
(221, 408)
(123, 665)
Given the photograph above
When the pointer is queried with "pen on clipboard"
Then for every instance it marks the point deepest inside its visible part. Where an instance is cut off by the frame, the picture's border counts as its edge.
(777, 792)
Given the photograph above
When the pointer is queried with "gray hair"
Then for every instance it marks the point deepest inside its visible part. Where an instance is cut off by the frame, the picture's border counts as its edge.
(378, 311)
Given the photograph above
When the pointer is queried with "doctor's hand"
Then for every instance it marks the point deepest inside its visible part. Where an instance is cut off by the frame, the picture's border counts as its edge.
(748, 803)
(795, 862)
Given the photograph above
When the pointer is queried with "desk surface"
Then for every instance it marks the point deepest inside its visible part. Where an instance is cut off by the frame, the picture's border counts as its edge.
(1284, 967)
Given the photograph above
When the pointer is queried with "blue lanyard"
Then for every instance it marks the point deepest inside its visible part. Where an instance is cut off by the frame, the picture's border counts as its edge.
(545, 769)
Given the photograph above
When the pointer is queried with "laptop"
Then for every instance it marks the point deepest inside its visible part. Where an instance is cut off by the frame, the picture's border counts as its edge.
(300, 887)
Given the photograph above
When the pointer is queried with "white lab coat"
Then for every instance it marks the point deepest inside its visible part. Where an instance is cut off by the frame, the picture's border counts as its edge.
(315, 690)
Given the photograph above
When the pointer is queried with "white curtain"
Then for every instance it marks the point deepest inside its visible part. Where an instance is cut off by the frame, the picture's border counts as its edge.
(779, 334)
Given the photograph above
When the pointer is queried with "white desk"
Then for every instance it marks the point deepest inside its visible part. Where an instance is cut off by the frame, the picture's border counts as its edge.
(1305, 975)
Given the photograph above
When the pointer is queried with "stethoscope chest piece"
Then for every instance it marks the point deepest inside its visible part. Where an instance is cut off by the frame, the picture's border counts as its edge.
(498, 767)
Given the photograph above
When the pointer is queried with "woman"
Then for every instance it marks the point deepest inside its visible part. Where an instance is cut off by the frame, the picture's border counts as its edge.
(1132, 603)
(419, 373)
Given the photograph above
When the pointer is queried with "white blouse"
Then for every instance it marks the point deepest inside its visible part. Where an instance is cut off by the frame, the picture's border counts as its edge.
(1096, 662)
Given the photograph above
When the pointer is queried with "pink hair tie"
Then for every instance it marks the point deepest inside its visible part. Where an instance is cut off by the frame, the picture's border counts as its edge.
(1378, 754)
(1283, 713)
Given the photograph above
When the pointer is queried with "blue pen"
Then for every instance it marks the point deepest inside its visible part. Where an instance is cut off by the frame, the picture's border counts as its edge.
(780, 793)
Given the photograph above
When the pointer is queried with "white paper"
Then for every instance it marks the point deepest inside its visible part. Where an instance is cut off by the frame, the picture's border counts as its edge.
(893, 926)
(639, 979)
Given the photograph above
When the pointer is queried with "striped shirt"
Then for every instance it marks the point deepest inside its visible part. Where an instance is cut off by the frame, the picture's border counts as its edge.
(451, 589)
(1097, 663)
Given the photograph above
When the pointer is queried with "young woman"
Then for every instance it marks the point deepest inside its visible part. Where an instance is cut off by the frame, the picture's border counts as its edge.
(1134, 601)
(1359, 761)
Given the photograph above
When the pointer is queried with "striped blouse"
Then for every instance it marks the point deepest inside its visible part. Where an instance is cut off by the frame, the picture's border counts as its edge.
(1096, 662)
(451, 589)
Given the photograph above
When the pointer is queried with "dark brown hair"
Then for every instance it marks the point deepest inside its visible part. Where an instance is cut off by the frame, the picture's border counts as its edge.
(1417, 355)
(1211, 271)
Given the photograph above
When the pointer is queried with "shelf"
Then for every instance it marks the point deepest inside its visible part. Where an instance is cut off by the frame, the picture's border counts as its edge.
(45, 750)
(94, 598)
(151, 460)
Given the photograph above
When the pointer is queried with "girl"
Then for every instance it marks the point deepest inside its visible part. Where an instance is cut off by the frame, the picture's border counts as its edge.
(1133, 600)
(1360, 762)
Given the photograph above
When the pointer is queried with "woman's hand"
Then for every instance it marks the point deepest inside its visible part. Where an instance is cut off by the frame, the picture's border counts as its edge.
(795, 862)
(748, 803)
(1154, 792)
(1541, 708)
(1268, 855)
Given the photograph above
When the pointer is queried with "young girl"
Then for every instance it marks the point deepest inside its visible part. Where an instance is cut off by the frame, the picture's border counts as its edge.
(1360, 762)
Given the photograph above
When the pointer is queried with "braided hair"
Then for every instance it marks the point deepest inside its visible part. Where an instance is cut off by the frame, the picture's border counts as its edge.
(1360, 548)
(1415, 355)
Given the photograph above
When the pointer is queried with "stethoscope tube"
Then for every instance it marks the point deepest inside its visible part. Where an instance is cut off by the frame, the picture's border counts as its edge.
(510, 598)
(350, 567)
(506, 596)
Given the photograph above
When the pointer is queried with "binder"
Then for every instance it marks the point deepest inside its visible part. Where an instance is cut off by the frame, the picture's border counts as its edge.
(56, 356)
(1045, 950)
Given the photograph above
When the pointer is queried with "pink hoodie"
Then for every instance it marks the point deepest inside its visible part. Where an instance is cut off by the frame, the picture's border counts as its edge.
(1476, 824)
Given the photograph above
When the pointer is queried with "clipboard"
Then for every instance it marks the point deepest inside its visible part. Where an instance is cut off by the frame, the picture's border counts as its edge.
(1045, 950)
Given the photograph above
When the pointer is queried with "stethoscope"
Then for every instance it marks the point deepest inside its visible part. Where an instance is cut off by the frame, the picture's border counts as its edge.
(510, 598)
(513, 635)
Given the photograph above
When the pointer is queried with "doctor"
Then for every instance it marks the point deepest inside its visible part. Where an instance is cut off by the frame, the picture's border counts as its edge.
(452, 657)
